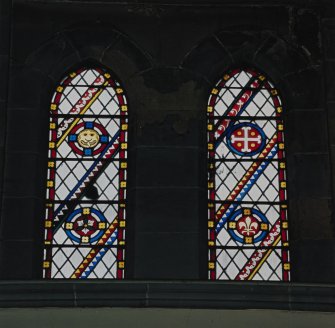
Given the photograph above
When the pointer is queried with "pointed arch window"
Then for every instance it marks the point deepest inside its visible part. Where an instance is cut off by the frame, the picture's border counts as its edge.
(86, 179)
(247, 207)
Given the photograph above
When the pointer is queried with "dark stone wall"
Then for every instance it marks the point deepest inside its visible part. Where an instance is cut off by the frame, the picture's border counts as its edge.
(5, 33)
(168, 56)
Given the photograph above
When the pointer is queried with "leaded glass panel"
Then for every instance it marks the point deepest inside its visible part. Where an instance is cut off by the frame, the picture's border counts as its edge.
(86, 182)
(247, 207)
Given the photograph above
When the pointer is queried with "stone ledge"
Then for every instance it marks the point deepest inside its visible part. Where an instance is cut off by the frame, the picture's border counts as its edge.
(167, 294)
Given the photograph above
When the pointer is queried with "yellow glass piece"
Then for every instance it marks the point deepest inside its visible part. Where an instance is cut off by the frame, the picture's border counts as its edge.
(73, 74)
(52, 126)
(287, 266)
(232, 225)
(279, 109)
(124, 127)
(210, 224)
(248, 240)
(122, 243)
(124, 108)
(84, 239)
(210, 146)
(281, 146)
(209, 109)
(211, 243)
(122, 224)
(282, 165)
(60, 89)
(121, 265)
(210, 185)
(274, 92)
(283, 184)
(215, 91)
(48, 224)
(124, 145)
(123, 184)
(261, 77)
(246, 211)
(69, 226)
(211, 265)
(51, 164)
(210, 205)
(51, 145)
(86, 210)
(280, 127)
(50, 183)
(264, 226)
(226, 77)
(46, 264)
(284, 224)
(123, 165)
(53, 106)
(107, 75)
(119, 90)
(210, 127)
(102, 225)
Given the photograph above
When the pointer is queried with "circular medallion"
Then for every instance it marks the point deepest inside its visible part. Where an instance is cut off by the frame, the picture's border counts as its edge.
(85, 225)
(88, 138)
(247, 226)
(246, 139)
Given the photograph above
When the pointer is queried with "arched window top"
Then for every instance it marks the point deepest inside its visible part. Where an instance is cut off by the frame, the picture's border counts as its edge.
(247, 207)
(86, 181)
(243, 96)
(256, 95)
(77, 92)
(82, 96)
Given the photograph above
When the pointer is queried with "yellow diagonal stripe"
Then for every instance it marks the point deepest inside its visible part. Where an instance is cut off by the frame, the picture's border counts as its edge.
(84, 110)
(267, 254)
(90, 256)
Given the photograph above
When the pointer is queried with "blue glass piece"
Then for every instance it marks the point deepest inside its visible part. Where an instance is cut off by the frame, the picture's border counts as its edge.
(72, 137)
(88, 152)
(89, 125)
(103, 139)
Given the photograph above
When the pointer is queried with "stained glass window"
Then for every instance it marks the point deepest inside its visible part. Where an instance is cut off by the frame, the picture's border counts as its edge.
(86, 179)
(247, 206)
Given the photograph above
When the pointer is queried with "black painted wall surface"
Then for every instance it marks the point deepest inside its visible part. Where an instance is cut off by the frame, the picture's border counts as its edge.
(168, 56)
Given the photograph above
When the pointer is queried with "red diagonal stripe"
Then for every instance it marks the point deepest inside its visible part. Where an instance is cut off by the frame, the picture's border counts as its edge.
(235, 110)
(258, 254)
(94, 251)
(244, 180)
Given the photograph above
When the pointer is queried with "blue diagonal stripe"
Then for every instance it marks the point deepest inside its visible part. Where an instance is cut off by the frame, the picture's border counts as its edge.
(245, 189)
(99, 256)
